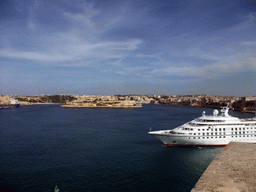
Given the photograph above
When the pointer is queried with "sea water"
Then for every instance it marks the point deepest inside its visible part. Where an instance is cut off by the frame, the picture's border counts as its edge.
(97, 149)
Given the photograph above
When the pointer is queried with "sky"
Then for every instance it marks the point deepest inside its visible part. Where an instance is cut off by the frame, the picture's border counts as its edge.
(171, 47)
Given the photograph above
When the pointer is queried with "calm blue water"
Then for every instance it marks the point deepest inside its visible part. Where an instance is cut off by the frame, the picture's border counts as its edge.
(89, 149)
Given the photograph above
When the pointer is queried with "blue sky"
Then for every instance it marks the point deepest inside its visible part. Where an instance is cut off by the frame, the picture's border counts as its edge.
(128, 47)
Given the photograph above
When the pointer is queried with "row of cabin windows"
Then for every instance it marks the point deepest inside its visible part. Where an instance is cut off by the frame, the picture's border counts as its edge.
(243, 132)
(224, 129)
(216, 129)
(209, 120)
(220, 137)
(196, 124)
(206, 137)
(241, 128)
(224, 133)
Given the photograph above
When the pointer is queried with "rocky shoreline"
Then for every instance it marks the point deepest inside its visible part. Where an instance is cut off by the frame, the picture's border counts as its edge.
(242, 104)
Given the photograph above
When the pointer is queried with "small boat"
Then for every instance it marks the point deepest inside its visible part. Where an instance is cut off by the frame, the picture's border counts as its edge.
(210, 130)
(13, 104)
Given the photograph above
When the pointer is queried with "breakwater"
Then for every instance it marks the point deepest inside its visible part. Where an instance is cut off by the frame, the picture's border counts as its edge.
(233, 169)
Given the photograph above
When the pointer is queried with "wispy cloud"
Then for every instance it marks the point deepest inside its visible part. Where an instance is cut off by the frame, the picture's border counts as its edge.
(71, 51)
(225, 50)
(81, 42)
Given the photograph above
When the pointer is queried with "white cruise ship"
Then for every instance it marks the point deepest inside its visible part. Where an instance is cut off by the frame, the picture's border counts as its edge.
(210, 130)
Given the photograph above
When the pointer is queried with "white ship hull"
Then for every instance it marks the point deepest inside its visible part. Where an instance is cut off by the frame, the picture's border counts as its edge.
(214, 130)
(206, 142)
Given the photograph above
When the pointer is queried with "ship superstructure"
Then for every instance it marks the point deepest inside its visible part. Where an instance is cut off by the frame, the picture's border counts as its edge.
(210, 130)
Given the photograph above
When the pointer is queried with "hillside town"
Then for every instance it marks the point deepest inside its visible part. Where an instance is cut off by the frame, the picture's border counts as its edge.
(242, 104)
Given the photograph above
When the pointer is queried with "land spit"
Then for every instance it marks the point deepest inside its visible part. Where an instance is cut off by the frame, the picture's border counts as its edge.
(107, 104)
(233, 169)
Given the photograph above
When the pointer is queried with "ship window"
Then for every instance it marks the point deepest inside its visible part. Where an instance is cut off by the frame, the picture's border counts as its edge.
(224, 129)
(203, 129)
(224, 137)
(198, 133)
(232, 129)
(193, 137)
(198, 129)
(189, 138)
(236, 128)
(203, 133)
(239, 128)
(220, 136)
(198, 137)
(236, 133)
(243, 128)
(224, 133)
(215, 129)
(239, 132)
(211, 133)
(216, 137)
(194, 133)
(219, 129)
(232, 136)
(190, 133)
(247, 135)
(207, 133)
(207, 137)
(203, 137)
(215, 133)
(211, 137)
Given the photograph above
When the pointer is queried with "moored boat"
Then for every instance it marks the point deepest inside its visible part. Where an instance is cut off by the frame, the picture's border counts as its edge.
(210, 130)
(13, 104)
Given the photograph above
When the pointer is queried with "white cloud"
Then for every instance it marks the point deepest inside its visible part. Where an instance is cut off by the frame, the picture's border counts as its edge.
(83, 41)
(221, 68)
(72, 50)
(249, 43)
(79, 19)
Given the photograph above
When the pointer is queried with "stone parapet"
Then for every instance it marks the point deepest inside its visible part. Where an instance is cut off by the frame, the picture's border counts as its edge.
(233, 169)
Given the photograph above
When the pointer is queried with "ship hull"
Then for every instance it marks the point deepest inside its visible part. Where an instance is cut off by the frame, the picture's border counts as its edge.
(9, 106)
(170, 141)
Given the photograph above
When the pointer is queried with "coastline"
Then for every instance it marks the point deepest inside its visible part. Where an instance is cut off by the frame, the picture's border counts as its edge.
(241, 104)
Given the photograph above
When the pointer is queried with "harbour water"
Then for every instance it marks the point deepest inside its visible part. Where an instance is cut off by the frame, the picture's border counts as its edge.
(97, 149)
